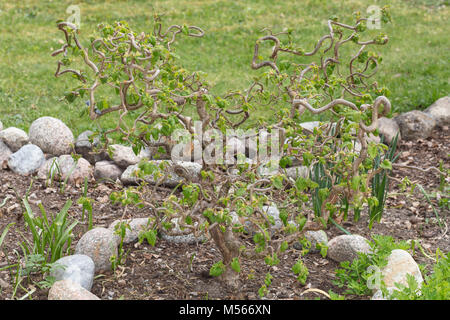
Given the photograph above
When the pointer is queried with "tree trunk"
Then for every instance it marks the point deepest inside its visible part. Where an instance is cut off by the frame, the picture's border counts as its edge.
(229, 248)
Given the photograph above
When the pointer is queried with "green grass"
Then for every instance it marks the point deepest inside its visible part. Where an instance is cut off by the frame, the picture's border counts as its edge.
(415, 65)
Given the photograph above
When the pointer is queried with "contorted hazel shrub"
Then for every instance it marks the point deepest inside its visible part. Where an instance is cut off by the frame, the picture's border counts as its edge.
(243, 171)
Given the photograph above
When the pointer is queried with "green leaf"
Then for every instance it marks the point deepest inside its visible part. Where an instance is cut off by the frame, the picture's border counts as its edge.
(301, 184)
(185, 30)
(235, 265)
(278, 182)
(301, 271)
(149, 235)
(372, 150)
(285, 161)
(356, 180)
(217, 269)
(284, 246)
(307, 158)
(386, 164)
(5, 231)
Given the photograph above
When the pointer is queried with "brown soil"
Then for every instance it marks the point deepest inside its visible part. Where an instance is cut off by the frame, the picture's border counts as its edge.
(164, 272)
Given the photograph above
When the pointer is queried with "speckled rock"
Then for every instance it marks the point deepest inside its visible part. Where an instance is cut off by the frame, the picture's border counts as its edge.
(69, 290)
(85, 147)
(64, 167)
(75, 172)
(346, 247)
(189, 239)
(440, 111)
(5, 152)
(185, 151)
(178, 234)
(308, 127)
(415, 125)
(400, 263)
(14, 138)
(135, 227)
(314, 237)
(124, 156)
(388, 128)
(233, 147)
(49, 170)
(107, 170)
(51, 135)
(99, 244)
(275, 213)
(172, 180)
(78, 268)
(296, 172)
(26, 160)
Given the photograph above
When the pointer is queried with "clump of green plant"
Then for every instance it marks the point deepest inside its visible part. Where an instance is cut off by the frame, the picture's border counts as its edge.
(52, 235)
(158, 104)
(380, 181)
(356, 275)
(5, 232)
(51, 240)
(120, 229)
(86, 203)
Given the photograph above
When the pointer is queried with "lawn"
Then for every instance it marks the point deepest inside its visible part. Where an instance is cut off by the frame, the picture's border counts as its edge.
(414, 68)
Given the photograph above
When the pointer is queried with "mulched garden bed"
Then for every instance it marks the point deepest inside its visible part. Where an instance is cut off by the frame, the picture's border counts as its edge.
(165, 271)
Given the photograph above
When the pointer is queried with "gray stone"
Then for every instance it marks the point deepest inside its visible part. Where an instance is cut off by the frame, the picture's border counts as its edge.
(347, 247)
(78, 268)
(69, 290)
(192, 169)
(99, 244)
(388, 128)
(14, 138)
(135, 227)
(49, 170)
(415, 125)
(296, 172)
(275, 213)
(5, 152)
(75, 172)
(27, 160)
(185, 151)
(251, 228)
(84, 144)
(51, 135)
(124, 156)
(233, 147)
(188, 239)
(308, 127)
(84, 147)
(64, 167)
(314, 237)
(440, 111)
(181, 235)
(107, 170)
(266, 169)
(176, 229)
(235, 219)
